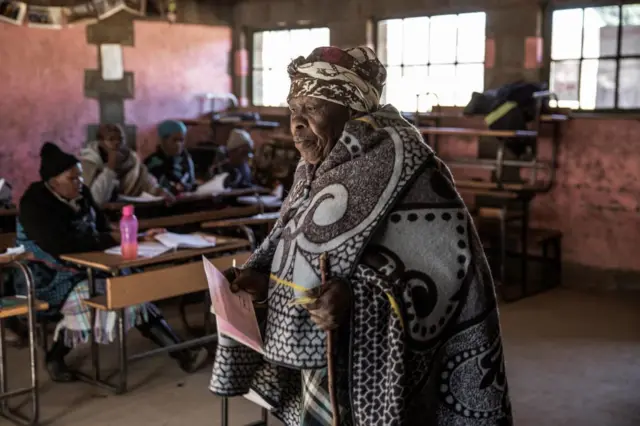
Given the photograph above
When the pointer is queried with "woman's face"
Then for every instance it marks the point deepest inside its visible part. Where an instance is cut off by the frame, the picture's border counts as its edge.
(69, 183)
(113, 141)
(316, 125)
(173, 144)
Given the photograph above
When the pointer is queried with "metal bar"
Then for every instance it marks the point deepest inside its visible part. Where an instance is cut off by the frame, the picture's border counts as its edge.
(177, 346)
(122, 351)
(95, 349)
(224, 412)
(14, 393)
(100, 383)
(616, 94)
(31, 318)
(525, 246)
(3, 367)
(249, 234)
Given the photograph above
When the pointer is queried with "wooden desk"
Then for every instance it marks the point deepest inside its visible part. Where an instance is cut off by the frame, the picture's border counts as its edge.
(456, 131)
(20, 306)
(197, 217)
(113, 264)
(9, 212)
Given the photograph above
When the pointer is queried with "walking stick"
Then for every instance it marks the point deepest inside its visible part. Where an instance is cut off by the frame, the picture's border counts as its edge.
(324, 267)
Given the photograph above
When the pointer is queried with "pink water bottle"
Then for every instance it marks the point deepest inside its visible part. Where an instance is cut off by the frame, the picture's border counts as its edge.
(129, 233)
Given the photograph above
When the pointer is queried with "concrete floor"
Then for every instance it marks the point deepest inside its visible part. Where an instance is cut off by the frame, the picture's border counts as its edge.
(573, 359)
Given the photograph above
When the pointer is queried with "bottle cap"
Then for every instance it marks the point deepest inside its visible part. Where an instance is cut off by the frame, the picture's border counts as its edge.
(127, 210)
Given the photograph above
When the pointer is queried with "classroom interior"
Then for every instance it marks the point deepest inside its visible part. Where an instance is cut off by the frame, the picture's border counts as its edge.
(555, 197)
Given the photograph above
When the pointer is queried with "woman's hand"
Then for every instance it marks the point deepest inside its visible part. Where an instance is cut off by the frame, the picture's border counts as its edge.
(150, 235)
(253, 282)
(331, 303)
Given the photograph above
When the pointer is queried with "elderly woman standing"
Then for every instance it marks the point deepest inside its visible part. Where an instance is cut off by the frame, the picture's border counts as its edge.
(171, 164)
(409, 298)
(110, 168)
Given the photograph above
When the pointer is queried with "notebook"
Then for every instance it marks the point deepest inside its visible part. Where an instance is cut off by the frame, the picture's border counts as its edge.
(145, 197)
(235, 315)
(146, 249)
(214, 186)
(175, 241)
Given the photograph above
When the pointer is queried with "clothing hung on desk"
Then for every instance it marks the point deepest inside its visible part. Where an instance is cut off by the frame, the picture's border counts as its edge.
(49, 226)
(131, 177)
(170, 171)
(423, 343)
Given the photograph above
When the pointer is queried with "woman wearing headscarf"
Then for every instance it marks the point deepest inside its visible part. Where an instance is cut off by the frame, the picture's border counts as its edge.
(59, 216)
(171, 164)
(233, 159)
(409, 297)
(110, 168)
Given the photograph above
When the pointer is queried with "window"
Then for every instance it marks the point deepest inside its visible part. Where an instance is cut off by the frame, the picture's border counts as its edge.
(595, 57)
(272, 52)
(443, 55)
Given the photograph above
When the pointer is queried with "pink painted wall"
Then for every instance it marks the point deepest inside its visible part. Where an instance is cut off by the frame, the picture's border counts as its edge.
(172, 63)
(596, 199)
(42, 75)
(41, 96)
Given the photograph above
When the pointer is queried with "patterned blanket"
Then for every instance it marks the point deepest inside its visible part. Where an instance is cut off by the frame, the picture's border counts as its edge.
(423, 344)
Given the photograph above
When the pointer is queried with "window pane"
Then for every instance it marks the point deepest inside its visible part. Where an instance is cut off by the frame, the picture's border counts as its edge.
(275, 87)
(416, 82)
(470, 78)
(631, 29)
(598, 84)
(416, 41)
(394, 42)
(601, 31)
(392, 92)
(629, 89)
(566, 34)
(442, 82)
(442, 46)
(471, 37)
(564, 83)
(275, 49)
(257, 49)
(256, 81)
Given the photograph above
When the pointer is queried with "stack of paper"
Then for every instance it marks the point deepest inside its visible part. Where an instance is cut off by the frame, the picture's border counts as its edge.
(234, 312)
(265, 200)
(214, 186)
(145, 249)
(175, 241)
(145, 197)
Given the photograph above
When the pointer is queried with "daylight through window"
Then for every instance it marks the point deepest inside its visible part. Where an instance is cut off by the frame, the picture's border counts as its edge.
(441, 55)
(272, 52)
(595, 57)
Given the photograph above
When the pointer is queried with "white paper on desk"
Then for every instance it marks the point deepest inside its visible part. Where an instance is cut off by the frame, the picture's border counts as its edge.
(145, 197)
(172, 240)
(13, 251)
(278, 192)
(146, 249)
(266, 200)
(214, 186)
(234, 312)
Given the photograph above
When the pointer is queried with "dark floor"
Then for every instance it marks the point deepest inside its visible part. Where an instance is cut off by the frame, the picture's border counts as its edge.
(573, 360)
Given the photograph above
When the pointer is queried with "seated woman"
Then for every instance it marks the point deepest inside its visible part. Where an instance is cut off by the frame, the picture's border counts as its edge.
(375, 244)
(110, 168)
(171, 164)
(58, 215)
(234, 160)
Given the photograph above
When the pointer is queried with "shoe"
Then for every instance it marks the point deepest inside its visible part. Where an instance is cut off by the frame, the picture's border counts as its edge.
(194, 361)
(56, 367)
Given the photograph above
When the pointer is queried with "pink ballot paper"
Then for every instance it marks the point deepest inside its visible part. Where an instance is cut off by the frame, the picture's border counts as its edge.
(234, 312)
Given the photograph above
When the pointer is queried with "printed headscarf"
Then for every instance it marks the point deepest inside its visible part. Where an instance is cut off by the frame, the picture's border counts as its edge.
(350, 77)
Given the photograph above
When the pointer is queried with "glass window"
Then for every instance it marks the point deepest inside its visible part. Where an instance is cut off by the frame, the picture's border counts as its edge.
(595, 57)
(442, 56)
(272, 52)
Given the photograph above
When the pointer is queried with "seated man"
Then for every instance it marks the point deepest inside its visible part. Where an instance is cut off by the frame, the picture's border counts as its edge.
(110, 168)
(58, 215)
(171, 164)
(234, 160)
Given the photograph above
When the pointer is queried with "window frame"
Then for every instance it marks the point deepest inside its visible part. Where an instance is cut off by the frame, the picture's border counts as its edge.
(547, 28)
(430, 14)
(250, 48)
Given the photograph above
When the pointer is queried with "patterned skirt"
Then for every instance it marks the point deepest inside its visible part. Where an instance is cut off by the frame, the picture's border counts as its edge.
(75, 327)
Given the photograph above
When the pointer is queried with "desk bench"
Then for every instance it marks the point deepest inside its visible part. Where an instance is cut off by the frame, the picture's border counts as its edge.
(149, 286)
(16, 306)
(244, 224)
